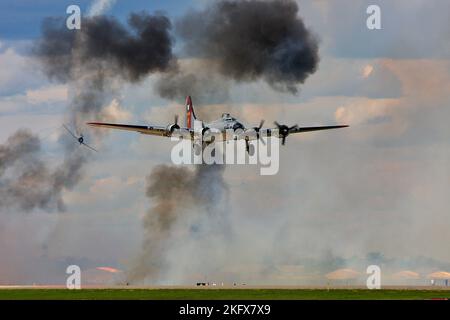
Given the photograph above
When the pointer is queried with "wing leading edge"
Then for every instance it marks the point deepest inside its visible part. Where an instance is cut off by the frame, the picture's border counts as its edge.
(308, 129)
(151, 130)
(163, 132)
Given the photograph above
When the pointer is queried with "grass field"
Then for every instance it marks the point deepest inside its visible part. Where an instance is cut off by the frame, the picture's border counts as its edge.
(218, 294)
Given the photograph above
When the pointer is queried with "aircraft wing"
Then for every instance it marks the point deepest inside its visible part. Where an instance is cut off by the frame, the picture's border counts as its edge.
(151, 130)
(296, 129)
(308, 129)
(161, 131)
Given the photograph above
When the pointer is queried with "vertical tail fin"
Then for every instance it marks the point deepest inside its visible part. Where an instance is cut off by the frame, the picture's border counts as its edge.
(190, 114)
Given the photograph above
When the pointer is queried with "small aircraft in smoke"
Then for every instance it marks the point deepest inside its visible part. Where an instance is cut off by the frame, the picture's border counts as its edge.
(217, 127)
(79, 138)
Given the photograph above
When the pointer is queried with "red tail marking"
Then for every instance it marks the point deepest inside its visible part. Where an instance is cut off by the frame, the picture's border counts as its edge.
(189, 112)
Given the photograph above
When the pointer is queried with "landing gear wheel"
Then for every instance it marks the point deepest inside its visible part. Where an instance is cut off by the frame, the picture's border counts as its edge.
(251, 150)
(197, 149)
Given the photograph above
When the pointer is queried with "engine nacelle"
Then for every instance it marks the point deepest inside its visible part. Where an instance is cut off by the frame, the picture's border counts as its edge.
(204, 130)
(172, 127)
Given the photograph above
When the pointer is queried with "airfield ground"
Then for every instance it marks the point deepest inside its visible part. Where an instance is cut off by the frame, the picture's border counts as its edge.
(14, 293)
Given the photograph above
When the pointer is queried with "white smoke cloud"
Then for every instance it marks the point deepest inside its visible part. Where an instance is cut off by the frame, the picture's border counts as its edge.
(100, 7)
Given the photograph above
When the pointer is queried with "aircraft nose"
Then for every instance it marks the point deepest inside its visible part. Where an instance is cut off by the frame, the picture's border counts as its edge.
(238, 126)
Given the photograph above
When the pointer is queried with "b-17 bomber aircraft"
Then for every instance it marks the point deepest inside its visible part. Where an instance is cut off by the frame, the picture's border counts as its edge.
(217, 128)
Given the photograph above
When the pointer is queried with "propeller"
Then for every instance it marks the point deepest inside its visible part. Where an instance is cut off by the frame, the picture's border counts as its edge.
(175, 125)
(79, 137)
(284, 131)
(257, 129)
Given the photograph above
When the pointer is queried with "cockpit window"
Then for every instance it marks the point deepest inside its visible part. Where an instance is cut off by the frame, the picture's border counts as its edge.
(227, 116)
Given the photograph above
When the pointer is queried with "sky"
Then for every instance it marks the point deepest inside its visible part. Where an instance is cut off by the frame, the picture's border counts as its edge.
(378, 188)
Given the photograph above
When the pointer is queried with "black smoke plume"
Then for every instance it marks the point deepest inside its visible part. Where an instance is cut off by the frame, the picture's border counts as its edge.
(230, 41)
(26, 181)
(144, 47)
(186, 203)
(244, 41)
(94, 61)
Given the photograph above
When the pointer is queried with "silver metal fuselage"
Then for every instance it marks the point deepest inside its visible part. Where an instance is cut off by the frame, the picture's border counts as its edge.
(228, 125)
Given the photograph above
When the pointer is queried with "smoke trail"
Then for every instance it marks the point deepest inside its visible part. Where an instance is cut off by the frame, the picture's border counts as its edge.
(186, 204)
(196, 79)
(244, 41)
(229, 41)
(26, 181)
(98, 58)
(94, 61)
(142, 48)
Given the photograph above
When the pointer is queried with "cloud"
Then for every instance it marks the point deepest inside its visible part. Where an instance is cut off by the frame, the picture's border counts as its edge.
(115, 112)
(105, 189)
(47, 99)
(410, 29)
(366, 111)
(367, 71)
(99, 7)
(50, 94)
(105, 186)
(334, 77)
(423, 80)
(17, 73)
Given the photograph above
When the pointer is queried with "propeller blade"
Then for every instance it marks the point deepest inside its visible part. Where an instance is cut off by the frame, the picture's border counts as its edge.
(176, 119)
(262, 140)
(88, 146)
(261, 124)
(277, 124)
(71, 133)
(293, 127)
(259, 135)
(283, 141)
